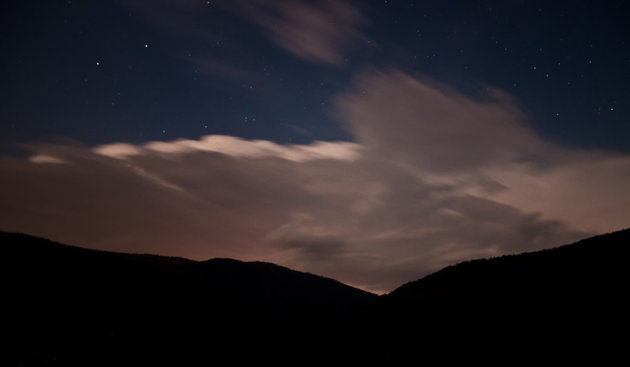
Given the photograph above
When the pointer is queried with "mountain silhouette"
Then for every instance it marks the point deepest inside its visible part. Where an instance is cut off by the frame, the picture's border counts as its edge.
(569, 302)
(74, 306)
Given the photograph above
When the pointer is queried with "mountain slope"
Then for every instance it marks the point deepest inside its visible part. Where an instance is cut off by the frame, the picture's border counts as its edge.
(70, 305)
(529, 304)
(589, 268)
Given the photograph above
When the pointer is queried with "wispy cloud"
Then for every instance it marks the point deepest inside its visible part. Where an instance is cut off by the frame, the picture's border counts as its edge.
(434, 177)
(45, 159)
(237, 147)
(319, 31)
(117, 150)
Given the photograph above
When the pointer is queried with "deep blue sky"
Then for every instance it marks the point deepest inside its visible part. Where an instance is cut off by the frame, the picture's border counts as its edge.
(80, 69)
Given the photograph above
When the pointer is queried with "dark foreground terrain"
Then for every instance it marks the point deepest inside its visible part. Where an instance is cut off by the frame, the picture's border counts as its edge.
(73, 306)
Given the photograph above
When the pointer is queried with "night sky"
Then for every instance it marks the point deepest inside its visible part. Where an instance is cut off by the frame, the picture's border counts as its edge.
(368, 141)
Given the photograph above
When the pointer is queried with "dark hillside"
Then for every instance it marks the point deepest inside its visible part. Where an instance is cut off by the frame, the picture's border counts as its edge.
(73, 306)
(573, 296)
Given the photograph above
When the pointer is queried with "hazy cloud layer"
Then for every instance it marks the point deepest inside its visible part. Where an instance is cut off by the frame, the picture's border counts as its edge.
(434, 177)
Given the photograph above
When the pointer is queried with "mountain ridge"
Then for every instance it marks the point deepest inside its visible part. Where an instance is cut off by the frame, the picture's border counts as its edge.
(622, 235)
(70, 303)
(72, 306)
(175, 259)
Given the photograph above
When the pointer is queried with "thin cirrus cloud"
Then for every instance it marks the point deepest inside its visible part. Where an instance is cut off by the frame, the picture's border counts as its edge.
(319, 31)
(433, 177)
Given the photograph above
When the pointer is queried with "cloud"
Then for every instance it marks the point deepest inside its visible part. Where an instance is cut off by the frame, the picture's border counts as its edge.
(434, 177)
(434, 127)
(45, 159)
(481, 146)
(236, 147)
(117, 150)
(586, 192)
(319, 31)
